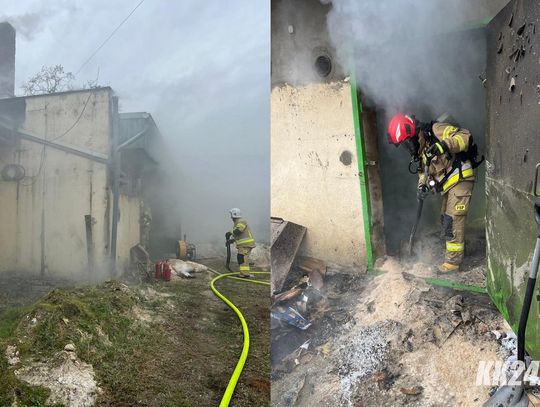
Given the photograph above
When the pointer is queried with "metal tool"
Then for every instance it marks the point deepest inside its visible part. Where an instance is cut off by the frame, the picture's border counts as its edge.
(418, 212)
(228, 245)
(415, 226)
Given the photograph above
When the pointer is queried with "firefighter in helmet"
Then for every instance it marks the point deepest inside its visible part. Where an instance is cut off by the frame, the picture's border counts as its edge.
(242, 237)
(444, 156)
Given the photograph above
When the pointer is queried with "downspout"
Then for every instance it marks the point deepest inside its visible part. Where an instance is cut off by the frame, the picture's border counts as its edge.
(362, 172)
(115, 184)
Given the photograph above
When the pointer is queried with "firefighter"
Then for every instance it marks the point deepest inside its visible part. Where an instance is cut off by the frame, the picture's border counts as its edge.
(242, 237)
(444, 156)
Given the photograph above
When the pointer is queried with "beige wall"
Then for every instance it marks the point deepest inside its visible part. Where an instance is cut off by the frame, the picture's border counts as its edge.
(46, 210)
(311, 127)
(128, 229)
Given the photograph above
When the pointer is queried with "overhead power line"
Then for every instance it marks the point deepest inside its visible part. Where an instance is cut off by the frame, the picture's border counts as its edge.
(109, 37)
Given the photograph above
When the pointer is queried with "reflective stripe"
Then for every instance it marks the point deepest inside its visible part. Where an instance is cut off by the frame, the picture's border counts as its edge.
(454, 247)
(460, 141)
(247, 240)
(240, 226)
(244, 268)
(466, 171)
(447, 131)
(439, 147)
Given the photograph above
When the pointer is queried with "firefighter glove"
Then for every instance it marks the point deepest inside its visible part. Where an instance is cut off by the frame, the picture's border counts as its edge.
(228, 235)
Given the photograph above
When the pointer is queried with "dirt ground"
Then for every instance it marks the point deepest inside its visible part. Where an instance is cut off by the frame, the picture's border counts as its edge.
(386, 339)
(158, 344)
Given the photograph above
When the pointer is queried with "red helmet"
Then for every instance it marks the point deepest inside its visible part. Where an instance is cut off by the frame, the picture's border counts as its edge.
(400, 128)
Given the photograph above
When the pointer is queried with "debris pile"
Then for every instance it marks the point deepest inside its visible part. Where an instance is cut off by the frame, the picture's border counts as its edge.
(71, 381)
(297, 283)
(387, 340)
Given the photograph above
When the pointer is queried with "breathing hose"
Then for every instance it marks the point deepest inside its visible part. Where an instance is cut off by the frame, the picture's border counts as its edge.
(226, 399)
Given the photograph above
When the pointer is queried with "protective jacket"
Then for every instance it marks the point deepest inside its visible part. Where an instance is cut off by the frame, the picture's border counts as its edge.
(242, 234)
(442, 168)
(454, 176)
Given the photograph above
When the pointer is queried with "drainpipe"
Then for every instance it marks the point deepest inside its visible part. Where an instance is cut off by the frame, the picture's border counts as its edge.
(362, 172)
(115, 183)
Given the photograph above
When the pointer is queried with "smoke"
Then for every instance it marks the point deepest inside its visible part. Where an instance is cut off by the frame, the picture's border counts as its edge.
(423, 58)
(28, 24)
(209, 98)
(405, 50)
(31, 23)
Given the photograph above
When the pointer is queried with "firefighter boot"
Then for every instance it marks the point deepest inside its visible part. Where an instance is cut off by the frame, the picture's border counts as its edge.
(448, 267)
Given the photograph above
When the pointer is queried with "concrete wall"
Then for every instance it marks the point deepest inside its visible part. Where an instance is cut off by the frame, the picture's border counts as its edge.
(513, 152)
(299, 37)
(312, 127)
(43, 225)
(128, 228)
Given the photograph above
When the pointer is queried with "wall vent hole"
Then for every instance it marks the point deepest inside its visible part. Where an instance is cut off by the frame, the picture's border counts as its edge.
(346, 158)
(323, 65)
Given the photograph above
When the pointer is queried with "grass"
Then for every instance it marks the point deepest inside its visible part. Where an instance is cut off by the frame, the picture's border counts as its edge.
(181, 353)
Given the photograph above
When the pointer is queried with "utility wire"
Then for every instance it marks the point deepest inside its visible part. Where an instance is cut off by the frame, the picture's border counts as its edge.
(82, 111)
(35, 177)
(109, 37)
(78, 118)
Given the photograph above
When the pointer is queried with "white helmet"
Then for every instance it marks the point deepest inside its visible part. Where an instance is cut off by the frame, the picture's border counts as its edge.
(235, 213)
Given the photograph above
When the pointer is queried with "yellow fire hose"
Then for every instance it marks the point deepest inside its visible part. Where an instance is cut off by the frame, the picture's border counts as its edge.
(226, 399)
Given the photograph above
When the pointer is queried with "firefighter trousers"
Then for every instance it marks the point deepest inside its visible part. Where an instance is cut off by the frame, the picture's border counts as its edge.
(243, 259)
(455, 207)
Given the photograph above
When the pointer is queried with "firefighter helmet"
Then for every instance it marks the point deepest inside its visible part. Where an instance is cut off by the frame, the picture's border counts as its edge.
(235, 213)
(400, 128)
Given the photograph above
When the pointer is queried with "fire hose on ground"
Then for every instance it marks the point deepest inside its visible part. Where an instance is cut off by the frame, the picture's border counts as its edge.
(226, 399)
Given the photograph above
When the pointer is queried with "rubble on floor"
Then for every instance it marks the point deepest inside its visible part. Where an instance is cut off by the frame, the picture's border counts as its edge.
(71, 381)
(387, 340)
(429, 253)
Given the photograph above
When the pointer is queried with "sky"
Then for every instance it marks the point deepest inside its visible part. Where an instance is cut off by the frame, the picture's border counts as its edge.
(201, 68)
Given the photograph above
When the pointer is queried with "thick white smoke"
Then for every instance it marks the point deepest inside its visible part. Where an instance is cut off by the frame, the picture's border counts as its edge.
(405, 50)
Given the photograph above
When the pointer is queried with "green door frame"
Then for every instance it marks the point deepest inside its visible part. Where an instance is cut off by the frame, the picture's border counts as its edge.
(362, 172)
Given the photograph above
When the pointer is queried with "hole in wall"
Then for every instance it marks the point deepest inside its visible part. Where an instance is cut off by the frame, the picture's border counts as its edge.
(323, 65)
(346, 158)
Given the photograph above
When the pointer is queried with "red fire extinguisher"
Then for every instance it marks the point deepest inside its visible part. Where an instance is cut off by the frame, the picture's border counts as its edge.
(167, 271)
(159, 270)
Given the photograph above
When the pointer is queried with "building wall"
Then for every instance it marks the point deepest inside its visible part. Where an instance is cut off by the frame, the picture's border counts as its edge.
(43, 226)
(128, 229)
(299, 37)
(513, 152)
(312, 126)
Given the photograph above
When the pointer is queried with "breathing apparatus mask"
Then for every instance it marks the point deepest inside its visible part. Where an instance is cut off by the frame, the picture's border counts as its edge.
(413, 146)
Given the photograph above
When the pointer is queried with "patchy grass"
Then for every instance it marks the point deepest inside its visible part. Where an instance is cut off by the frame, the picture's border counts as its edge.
(163, 344)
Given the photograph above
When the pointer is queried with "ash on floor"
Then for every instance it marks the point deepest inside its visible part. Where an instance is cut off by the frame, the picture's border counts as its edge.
(386, 340)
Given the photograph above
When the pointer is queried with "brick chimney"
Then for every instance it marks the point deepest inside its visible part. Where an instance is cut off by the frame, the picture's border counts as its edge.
(7, 60)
